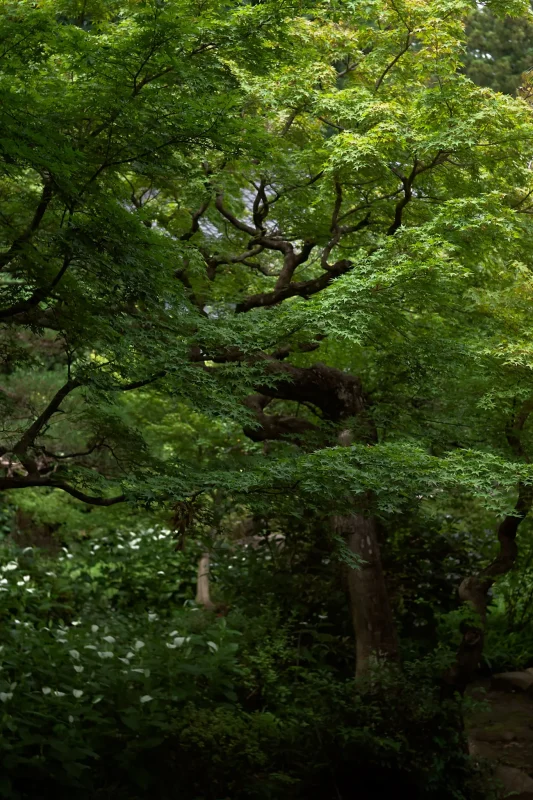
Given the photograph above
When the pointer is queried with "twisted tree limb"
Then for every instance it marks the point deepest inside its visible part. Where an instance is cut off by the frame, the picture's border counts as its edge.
(474, 590)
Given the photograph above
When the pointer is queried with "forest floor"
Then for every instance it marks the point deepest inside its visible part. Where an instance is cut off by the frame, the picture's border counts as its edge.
(500, 728)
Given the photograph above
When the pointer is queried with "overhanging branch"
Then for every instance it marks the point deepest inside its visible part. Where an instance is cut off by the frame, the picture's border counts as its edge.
(33, 482)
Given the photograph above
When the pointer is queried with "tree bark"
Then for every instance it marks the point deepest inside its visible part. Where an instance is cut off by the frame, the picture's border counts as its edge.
(375, 632)
(203, 597)
(340, 397)
(474, 591)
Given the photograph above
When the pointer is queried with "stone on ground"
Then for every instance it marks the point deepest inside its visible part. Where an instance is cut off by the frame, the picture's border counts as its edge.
(513, 682)
(515, 783)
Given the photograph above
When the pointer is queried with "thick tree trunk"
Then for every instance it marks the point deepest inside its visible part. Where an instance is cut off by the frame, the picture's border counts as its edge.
(340, 398)
(372, 618)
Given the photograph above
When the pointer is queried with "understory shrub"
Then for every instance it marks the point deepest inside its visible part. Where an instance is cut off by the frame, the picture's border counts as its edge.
(113, 684)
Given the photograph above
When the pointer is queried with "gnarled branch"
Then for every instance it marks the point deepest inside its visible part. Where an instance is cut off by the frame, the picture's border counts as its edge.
(474, 589)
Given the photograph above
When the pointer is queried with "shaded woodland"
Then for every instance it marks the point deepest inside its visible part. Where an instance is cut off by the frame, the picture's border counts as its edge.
(266, 399)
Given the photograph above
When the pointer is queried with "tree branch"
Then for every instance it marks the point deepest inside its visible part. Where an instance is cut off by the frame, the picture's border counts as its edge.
(59, 456)
(337, 394)
(241, 226)
(300, 289)
(6, 484)
(20, 241)
(291, 261)
(260, 206)
(474, 590)
(128, 387)
(28, 438)
(274, 426)
(288, 122)
(395, 60)
(513, 433)
(38, 295)
(196, 220)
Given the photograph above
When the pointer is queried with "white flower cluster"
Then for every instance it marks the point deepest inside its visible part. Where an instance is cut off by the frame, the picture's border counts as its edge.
(23, 581)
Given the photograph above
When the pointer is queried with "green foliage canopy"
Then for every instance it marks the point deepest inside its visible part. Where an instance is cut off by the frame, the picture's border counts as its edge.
(203, 204)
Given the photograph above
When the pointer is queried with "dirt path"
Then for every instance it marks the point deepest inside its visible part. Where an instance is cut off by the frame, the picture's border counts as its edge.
(503, 731)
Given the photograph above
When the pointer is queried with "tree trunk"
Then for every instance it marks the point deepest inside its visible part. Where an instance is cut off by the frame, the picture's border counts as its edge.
(474, 592)
(372, 618)
(340, 398)
(202, 584)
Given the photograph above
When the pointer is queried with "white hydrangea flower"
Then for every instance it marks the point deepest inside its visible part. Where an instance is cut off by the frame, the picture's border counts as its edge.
(74, 654)
(77, 693)
(139, 644)
(78, 668)
(105, 654)
(110, 639)
(95, 628)
(46, 690)
(146, 698)
(5, 696)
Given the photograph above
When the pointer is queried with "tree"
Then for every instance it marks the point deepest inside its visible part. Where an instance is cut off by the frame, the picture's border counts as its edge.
(321, 241)
(379, 209)
(98, 98)
(498, 49)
